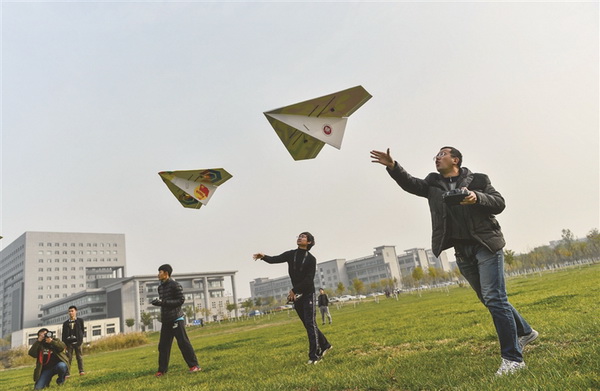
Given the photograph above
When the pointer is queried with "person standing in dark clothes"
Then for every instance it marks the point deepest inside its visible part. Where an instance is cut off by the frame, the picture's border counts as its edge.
(170, 299)
(72, 336)
(301, 268)
(470, 226)
(323, 301)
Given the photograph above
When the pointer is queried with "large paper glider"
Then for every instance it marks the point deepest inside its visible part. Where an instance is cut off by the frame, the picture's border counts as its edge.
(306, 126)
(193, 188)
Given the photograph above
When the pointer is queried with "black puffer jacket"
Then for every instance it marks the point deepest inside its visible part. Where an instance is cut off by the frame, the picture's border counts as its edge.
(171, 295)
(482, 224)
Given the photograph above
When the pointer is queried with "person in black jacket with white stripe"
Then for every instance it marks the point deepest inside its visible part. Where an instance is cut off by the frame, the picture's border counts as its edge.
(301, 268)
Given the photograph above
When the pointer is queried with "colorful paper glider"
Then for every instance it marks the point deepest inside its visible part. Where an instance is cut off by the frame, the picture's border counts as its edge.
(193, 188)
(306, 126)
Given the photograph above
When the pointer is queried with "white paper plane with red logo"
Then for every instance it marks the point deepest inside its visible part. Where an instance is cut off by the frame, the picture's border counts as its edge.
(305, 127)
(194, 188)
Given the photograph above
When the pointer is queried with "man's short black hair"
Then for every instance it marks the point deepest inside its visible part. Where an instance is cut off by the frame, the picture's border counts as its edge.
(454, 153)
(75, 308)
(310, 238)
(166, 268)
(44, 330)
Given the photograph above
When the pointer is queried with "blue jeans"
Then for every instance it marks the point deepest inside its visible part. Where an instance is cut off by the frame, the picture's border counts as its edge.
(484, 271)
(46, 376)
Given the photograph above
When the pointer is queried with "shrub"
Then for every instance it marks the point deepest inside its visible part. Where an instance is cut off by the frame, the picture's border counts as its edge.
(116, 342)
(17, 357)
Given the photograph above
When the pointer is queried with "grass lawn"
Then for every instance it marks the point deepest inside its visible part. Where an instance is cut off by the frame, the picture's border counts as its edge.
(440, 340)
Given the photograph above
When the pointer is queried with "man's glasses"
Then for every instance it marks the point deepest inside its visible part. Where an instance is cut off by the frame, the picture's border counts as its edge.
(440, 155)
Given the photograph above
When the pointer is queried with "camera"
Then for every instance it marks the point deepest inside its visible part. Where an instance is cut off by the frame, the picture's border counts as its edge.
(454, 197)
(290, 301)
(50, 334)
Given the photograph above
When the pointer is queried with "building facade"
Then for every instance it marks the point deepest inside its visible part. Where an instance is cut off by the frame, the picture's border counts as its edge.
(383, 264)
(41, 267)
(93, 330)
(130, 297)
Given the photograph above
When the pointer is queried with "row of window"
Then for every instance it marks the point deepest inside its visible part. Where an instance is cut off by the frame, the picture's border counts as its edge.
(49, 244)
(56, 260)
(88, 252)
(49, 278)
(49, 287)
(57, 269)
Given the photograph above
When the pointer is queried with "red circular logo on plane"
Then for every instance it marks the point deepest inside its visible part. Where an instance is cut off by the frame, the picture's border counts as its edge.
(327, 130)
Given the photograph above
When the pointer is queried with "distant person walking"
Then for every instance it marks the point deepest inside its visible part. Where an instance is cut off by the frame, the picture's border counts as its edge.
(467, 222)
(323, 301)
(170, 299)
(72, 336)
(301, 268)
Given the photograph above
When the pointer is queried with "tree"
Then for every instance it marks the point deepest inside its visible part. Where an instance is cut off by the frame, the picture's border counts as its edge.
(247, 304)
(146, 318)
(231, 307)
(340, 289)
(189, 312)
(593, 248)
(358, 286)
(417, 273)
(129, 322)
(206, 313)
(374, 286)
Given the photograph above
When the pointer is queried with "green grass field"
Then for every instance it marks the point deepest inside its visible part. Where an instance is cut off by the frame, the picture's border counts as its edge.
(440, 340)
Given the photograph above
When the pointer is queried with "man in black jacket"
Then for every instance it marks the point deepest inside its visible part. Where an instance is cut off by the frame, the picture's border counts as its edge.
(72, 336)
(470, 226)
(301, 268)
(170, 298)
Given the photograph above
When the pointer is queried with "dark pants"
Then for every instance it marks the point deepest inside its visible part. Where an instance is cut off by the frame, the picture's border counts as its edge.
(168, 331)
(317, 343)
(78, 355)
(59, 369)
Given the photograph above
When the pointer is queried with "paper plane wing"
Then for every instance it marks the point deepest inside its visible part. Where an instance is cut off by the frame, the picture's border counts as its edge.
(194, 188)
(306, 126)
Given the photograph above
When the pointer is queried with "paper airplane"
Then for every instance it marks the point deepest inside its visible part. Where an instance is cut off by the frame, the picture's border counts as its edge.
(306, 126)
(194, 188)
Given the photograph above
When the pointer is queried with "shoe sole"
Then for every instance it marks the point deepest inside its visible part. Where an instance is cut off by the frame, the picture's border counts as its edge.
(530, 338)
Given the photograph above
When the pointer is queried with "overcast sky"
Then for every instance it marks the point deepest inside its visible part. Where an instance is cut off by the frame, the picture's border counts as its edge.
(98, 97)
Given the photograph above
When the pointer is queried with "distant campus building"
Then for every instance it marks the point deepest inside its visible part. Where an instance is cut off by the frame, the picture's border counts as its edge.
(40, 267)
(383, 264)
(43, 273)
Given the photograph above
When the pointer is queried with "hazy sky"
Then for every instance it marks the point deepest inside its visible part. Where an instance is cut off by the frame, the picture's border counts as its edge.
(98, 97)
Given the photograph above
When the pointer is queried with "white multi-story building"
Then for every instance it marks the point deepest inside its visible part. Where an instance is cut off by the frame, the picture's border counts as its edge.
(41, 267)
(330, 274)
(383, 264)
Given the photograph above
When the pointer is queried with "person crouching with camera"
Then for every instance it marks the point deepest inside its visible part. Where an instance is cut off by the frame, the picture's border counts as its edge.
(51, 359)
